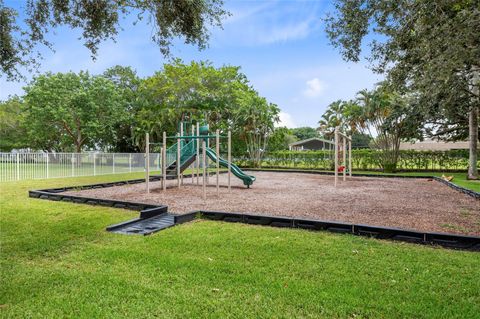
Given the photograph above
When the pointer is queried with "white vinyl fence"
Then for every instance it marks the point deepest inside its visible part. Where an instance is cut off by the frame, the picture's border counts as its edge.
(22, 166)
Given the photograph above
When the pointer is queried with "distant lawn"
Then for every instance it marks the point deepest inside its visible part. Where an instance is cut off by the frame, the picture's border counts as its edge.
(58, 261)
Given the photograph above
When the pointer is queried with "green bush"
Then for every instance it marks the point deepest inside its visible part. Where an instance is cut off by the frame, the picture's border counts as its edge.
(366, 159)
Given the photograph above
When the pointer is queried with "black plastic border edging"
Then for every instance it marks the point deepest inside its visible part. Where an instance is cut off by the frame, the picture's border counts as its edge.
(461, 189)
(148, 210)
(411, 236)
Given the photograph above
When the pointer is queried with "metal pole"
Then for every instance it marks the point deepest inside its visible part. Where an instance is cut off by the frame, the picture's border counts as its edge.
(204, 170)
(164, 161)
(73, 164)
(207, 159)
(198, 154)
(47, 163)
(336, 155)
(178, 161)
(229, 158)
(18, 166)
(192, 167)
(130, 162)
(94, 164)
(350, 157)
(217, 148)
(181, 134)
(113, 162)
(147, 162)
(344, 158)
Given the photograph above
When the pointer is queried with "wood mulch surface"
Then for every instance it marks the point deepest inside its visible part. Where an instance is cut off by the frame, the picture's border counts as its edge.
(418, 204)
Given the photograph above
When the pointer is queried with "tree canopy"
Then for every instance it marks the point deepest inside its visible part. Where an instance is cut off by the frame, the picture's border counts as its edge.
(303, 133)
(381, 118)
(428, 49)
(98, 21)
(71, 109)
(113, 111)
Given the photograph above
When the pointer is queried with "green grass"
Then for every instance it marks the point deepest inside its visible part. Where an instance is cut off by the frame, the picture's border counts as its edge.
(58, 261)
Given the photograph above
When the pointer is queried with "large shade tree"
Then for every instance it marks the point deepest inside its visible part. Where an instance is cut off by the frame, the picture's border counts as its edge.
(71, 111)
(99, 21)
(127, 84)
(431, 48)
(12, 124)
(198, 90)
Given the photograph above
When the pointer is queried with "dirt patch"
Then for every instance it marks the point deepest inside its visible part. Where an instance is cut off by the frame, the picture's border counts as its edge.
(419, 204)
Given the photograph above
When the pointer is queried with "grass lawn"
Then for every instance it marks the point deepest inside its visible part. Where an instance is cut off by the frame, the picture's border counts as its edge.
(58, 261)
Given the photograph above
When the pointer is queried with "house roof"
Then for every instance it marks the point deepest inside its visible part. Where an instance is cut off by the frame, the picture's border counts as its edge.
(432, 145)
(310, 140)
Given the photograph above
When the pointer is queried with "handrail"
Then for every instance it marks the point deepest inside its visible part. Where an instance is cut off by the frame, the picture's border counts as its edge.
(186, 149)
(171, 155)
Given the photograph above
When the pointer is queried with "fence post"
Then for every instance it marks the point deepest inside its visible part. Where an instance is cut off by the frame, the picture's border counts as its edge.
(47, 163)
(94, 164)
(130, 162)
(73, 165)
(113, 163)
(18, 167)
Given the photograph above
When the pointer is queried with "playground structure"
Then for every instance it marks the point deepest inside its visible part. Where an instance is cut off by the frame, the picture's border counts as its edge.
(341, 140)
(339, 145)
(186, 152)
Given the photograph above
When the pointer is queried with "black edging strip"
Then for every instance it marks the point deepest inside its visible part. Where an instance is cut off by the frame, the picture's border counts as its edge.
(150, 212)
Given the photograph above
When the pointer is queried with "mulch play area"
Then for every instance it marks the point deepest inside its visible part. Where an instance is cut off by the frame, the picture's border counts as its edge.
(419, 204)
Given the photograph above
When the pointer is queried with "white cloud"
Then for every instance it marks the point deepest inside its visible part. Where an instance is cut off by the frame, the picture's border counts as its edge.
(268, 23)
(315, 88)
(286, 33)
(286, 120)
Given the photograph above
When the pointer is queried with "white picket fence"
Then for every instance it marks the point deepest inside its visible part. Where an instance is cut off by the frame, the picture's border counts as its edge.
(23, 166)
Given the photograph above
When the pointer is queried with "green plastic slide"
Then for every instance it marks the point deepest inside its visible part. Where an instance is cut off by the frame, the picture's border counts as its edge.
(247, 179)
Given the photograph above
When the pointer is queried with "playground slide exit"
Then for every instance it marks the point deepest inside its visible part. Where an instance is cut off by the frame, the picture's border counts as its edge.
(247, 179)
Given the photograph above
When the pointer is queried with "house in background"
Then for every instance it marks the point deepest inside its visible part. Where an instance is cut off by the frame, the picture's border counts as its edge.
(311, 144)
(434, 145)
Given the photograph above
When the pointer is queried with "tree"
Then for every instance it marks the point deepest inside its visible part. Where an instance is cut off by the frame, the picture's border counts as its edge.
(281, 138)
(68, 109)
(254, 121)
(387, 118)
(427, 48)
(338, 114)
(198, 90)
(12, 125)
(127, 84)
(99, 20)
(360, 140)
(303, 133)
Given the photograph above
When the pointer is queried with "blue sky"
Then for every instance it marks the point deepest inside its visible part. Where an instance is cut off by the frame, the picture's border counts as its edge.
(280, 45)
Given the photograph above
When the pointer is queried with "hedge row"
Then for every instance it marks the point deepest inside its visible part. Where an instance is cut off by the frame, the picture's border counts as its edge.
(366, 159)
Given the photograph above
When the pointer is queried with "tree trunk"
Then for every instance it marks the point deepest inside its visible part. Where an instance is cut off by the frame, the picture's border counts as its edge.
(473, 144)
(473, 127)
(78, 147)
